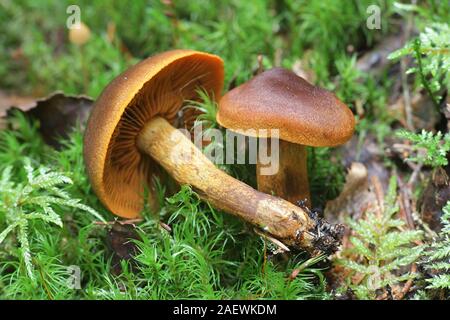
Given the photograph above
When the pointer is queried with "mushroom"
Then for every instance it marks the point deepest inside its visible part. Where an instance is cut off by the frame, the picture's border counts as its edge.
(79, 34)
(304, 114)
(130, 135)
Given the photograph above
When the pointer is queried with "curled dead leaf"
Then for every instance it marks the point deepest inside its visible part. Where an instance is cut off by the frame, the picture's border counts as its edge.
(376, 60)
(57, 114)
(355, 197)
(424, 114)
(7, 101)
(369, 153)
(121, 242)
(434, 198)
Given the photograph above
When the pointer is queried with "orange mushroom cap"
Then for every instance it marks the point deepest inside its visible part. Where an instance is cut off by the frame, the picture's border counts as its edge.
(157, 86)
(279, 99)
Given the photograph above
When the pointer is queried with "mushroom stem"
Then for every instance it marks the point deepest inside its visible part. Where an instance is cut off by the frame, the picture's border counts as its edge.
(291, 180)
(188, 165)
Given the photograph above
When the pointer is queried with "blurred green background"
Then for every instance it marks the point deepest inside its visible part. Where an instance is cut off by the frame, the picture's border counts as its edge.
(37, 58)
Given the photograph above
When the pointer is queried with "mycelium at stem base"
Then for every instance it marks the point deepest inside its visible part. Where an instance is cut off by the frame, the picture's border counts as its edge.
(290, 182)
(280, 219)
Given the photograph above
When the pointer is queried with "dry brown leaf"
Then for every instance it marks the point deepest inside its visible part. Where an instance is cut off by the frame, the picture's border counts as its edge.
(424, 114)
(11, 100)
(434, 198)
(121, 241)
(355, 197)
(375, 61)
(301, 68)
(369, 153)
(57, 114)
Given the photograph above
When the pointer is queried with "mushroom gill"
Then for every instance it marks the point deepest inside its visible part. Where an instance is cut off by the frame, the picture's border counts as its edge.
(128, 171)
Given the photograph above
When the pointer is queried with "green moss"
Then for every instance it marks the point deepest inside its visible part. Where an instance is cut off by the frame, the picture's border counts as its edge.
(207, 254)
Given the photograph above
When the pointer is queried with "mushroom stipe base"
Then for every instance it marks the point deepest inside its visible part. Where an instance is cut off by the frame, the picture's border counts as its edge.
(280, 219)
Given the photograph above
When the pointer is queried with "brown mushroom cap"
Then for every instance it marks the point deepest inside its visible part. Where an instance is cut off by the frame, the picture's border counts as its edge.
(157, 86)
(279, 99)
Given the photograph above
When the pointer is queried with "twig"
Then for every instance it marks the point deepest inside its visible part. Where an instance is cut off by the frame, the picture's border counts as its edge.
(425, 84)
(263, 269)
(404, 201)
(273, 240)
(294, 274)
(414, 175)
(404, 77)
(129, 221)
(260, 64)
(378, 189)
(165, 226)
(405, 211)
(406, 95)
(408, 283)
(44, 283)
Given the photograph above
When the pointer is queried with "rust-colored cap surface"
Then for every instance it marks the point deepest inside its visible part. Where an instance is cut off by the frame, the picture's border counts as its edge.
(157, 86)
(279, 99)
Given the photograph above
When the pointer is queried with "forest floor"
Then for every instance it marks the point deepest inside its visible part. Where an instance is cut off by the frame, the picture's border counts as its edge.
(388, 60)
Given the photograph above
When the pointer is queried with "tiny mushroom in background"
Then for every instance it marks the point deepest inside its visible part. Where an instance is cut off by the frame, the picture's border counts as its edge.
(79, 34)
(130, 135)
(304, 114)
